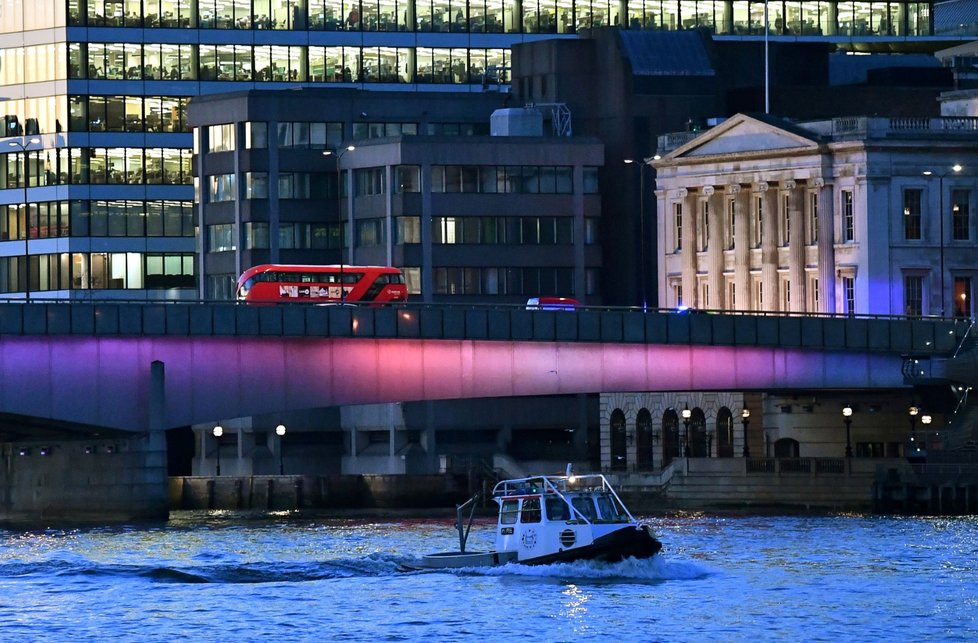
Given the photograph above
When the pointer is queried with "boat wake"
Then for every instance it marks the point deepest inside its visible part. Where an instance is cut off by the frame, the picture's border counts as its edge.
(215, 572)
(656, 568)
(378, 564)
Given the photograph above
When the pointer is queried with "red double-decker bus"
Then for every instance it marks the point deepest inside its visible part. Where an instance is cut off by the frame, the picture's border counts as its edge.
(272, 283)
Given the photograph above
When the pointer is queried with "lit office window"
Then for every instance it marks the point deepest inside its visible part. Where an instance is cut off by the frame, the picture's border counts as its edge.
(221, 138)
(256, 185)
(256, 135)
(407, 178)
(960, 215)
(221, 187)
(407, 230)
(220, 237)
(911, 213)
(256, 234)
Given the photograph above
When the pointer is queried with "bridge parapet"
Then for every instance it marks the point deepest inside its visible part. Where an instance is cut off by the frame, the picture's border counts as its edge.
(911, 336)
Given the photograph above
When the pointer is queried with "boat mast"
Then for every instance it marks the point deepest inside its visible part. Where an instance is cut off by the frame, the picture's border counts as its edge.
(463, 536)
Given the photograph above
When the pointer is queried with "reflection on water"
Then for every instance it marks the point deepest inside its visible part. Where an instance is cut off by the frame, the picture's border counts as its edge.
(220, 576)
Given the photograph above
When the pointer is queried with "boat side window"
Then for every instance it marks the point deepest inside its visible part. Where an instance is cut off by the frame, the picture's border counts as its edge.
(557, 509)
(585, 507)
(507, 513)
(531, 510)
(609, 510)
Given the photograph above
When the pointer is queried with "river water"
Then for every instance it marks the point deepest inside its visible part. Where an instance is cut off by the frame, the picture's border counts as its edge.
(231, 577)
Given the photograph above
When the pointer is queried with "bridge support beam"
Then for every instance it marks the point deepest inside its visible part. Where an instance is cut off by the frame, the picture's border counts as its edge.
(90, 479)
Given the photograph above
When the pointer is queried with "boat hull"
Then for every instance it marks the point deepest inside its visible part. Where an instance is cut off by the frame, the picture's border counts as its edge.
(627, 542)
(457, 560)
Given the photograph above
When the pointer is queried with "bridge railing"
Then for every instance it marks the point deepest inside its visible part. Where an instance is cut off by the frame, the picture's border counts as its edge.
(912, 336)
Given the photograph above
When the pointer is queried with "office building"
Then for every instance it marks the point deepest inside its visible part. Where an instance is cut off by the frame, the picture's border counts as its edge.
(95, 95)
(467, 217)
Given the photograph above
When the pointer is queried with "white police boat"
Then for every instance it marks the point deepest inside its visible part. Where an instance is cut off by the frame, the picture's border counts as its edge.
(552, 519)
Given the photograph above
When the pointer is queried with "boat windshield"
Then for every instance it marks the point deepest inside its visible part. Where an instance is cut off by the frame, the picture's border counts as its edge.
(609, 509)
(557, 509)
(584, 506)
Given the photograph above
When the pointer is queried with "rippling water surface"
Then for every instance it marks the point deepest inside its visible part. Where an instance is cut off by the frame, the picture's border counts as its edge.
(228, 577)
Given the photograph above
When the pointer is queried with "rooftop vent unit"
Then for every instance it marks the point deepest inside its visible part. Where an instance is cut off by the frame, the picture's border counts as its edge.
(529, 120)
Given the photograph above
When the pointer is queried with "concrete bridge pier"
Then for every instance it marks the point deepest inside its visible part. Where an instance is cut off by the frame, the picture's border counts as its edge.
(93, 479)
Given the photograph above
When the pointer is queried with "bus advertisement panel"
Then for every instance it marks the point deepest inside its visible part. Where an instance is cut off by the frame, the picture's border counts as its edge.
(276, 283)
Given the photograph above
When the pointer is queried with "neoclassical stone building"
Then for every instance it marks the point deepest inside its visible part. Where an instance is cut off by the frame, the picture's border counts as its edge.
(645, 431)
(853, 215)
(860, 215)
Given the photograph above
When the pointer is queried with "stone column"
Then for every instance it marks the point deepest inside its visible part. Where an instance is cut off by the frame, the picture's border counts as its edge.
(826, 251)
(796, 246)
(741, 245)
(714, 246)
(769, 245)
(689, 246)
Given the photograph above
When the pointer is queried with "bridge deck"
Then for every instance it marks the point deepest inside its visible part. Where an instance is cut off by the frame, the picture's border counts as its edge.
(921, 336)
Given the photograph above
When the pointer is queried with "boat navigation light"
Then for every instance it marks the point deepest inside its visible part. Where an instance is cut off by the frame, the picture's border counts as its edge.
(570, 473)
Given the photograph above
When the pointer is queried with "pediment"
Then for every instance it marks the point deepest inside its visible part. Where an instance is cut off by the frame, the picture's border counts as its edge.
(743, 134)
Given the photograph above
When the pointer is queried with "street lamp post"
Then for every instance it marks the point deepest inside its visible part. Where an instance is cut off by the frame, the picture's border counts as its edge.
(926, 419)
(940, 188)
(686, 415)
(218, 432)
(24, 146)
(847, 418)
(641, 227)
(280, 432)
(338, 153)
(745, 420)
(913, 411)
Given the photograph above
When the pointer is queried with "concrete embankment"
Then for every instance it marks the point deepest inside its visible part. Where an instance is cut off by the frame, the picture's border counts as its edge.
(270, 493)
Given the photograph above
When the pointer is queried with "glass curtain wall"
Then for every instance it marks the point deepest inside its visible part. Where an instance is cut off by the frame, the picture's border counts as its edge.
(786, 17)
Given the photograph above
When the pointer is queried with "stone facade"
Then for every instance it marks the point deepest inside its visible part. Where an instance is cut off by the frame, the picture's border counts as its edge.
(840, 216)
